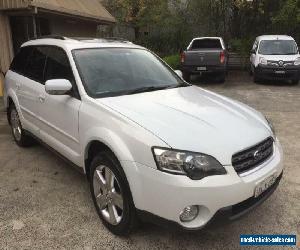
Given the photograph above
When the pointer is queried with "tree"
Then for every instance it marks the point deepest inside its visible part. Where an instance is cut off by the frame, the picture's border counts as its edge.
(287, 19)
(137, 13)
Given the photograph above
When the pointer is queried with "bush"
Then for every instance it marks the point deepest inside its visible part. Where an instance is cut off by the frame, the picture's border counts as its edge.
(241, 46)
(173, 61)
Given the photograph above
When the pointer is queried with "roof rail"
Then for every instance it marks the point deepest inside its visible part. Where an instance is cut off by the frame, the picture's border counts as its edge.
(100, 38)
(50, 37)
(116, 39)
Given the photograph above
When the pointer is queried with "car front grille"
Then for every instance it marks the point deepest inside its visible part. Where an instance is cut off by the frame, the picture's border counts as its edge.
(253, 156)
(280, 63)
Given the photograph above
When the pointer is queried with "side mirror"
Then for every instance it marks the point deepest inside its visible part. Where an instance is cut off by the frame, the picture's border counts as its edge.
(253, 51)
(58, 87)
(179, 73)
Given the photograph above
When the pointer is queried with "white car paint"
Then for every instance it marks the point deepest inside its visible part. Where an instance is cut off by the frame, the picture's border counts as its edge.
(187, 118)
(256, 57)
(196, 115)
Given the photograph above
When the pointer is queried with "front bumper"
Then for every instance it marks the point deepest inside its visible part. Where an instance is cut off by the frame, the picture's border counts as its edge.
(222, 216)
(274, 73)
(165, 195)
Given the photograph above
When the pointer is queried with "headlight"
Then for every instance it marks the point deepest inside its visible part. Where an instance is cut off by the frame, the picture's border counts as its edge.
(194, 165)
(263, 61)
(271, 126)
(297, 62)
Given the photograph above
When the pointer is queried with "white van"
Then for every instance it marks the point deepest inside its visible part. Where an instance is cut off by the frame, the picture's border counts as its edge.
(275, 57)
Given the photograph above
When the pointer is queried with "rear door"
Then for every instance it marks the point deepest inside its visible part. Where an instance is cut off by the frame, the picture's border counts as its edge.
(59, 113)
(28, 82)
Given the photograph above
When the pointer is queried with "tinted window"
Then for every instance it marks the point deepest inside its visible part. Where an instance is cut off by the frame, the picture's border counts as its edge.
(20, 60)
(117, 71)
(36, 64)
(278, 47)
(58, 66)
(206, 44)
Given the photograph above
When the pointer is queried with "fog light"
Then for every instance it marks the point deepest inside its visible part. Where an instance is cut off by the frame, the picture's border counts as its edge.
(189, 213)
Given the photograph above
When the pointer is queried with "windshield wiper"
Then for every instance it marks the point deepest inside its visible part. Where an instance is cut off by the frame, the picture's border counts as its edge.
(148, 89)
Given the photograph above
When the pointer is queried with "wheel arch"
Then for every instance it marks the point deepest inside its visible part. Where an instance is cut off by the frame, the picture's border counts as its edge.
(91, 149)
(10, 101)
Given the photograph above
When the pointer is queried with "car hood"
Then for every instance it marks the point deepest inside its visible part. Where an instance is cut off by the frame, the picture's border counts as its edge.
(193, 119)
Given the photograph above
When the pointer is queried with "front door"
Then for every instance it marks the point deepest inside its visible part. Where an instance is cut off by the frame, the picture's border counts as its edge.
(59, 114)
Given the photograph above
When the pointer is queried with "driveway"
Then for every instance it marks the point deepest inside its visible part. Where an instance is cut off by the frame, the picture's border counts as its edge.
(45, 204)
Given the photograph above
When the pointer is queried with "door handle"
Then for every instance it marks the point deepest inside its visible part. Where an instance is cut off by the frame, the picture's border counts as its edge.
(41, 98)
(18, 86)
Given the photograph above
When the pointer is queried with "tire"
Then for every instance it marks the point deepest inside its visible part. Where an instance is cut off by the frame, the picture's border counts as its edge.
(113, 202)
(295, 82)
(19, 134)
(256, 79)
(250, 71)
(186, 76)
(222, 78)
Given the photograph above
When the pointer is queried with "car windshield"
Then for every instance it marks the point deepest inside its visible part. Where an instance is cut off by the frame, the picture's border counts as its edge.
(121, 71)
(278, 47)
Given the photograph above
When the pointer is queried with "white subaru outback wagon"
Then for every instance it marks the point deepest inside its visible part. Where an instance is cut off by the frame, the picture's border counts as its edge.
(152, 146)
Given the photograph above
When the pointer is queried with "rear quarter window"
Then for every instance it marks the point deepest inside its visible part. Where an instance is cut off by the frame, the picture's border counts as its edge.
(19, 62)
(206, 44)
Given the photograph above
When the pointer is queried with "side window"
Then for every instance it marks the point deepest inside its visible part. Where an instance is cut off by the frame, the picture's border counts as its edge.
(58, 66)
(19, 62)
(36, 64)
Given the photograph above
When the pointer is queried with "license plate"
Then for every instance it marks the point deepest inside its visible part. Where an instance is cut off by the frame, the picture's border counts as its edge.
(264, 185)
(279, 72)
(201, 68)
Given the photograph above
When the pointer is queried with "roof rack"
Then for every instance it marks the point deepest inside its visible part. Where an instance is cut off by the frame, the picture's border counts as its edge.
(116, 39)
(108, 39)
(119, 39)
(50, 37)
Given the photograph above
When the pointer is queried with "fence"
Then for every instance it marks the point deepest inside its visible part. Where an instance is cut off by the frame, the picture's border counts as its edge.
(237, 61)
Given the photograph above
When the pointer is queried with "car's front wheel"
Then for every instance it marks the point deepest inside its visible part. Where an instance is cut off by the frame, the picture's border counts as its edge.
(256, 78)
(20, 136)
(111, 194)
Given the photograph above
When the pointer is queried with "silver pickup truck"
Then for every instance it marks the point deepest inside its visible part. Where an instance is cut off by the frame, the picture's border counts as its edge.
(205, 55)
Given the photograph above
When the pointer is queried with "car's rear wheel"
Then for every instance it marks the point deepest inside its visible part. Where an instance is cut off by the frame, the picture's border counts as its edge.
(222, 78)
(295, 82)
(19, 135)
(186, 76)
(111, 194)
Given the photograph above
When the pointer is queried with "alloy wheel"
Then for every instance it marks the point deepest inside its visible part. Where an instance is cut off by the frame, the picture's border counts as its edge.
(16, 125)
(108, 194)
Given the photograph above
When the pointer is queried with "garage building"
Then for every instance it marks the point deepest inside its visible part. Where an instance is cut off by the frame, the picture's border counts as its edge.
(21, 20)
